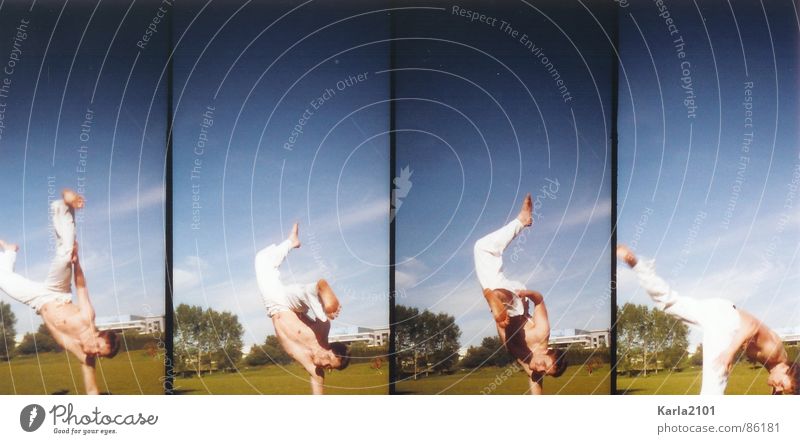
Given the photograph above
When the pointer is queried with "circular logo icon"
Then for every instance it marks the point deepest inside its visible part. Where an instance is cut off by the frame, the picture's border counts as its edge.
(31, 417)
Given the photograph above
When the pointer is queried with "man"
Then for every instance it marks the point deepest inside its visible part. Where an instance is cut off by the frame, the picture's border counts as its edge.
(71, 326)
(526, 337)
(301, 314)
(726, 330)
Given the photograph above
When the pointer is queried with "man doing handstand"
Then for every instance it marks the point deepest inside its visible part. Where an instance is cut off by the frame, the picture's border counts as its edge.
(71, 326)
(301, 314)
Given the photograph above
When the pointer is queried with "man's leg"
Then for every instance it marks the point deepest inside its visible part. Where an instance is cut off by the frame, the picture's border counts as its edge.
(686, 309)
(59, 276)
(703, 313)
(488, 255)
(8, 256)
(715, 377)
(15, 285)
(488, 251)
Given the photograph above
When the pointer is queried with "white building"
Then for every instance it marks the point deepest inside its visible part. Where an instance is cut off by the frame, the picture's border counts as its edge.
(351, 334)
(790, 336)
(134, 323)
(584, 338)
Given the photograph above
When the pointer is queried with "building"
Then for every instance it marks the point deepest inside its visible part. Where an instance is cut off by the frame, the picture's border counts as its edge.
(790, 336)
(132, 323)
(351, 334)
(585, 338)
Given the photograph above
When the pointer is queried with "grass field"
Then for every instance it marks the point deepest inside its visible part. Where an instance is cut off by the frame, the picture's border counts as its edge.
(358, 379)
(742, 381)
(508, 381)
(129, 373)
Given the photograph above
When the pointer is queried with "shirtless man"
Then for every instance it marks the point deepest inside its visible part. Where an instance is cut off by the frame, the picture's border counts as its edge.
(71, 326)
(726, 330)
(526, 337)
(301, 314)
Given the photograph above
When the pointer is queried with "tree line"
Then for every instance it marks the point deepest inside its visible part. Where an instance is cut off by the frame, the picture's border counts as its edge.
(207, 340)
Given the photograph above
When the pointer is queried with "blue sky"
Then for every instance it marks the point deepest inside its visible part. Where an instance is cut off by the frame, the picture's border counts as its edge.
(482, 122)
(61, 75)
(259, 68)
(722, 220)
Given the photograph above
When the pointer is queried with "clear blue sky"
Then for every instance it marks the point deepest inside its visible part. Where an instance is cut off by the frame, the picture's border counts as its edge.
(60, 75)
(721, 225)
(260, 74)
(482, 122)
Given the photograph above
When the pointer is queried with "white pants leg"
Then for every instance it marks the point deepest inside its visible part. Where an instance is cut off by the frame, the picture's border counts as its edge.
(717, 318)
(59, 276)
(18, 287)
(300, 298)
(488, 254)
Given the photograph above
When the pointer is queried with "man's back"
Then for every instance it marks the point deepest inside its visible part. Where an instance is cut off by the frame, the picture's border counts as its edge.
(765, 346)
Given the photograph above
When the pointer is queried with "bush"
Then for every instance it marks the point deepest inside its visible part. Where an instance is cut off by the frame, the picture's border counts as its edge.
(39, 342)
(140, 341)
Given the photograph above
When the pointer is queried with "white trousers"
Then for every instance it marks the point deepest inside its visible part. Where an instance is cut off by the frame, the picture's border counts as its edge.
(488, 253)
(278, 296)
(717, 318)
(57, 286)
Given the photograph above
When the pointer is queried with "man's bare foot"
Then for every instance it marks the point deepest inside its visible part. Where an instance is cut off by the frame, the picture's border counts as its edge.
(526, 213)
(294, 236)
(330, 303)
(8, 246)
(497, 300)
(626, 255)
(73, 199)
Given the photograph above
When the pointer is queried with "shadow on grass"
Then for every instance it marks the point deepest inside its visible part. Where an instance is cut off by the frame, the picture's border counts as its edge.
(182, 391)
(61, 392)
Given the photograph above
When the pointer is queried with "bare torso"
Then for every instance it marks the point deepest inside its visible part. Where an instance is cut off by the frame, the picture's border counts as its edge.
(528, 334)
(69, 328)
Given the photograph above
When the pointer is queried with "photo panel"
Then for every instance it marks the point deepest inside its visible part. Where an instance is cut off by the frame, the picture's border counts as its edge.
(281, 118)
(496, 101)
(83, 126)
(707, 193)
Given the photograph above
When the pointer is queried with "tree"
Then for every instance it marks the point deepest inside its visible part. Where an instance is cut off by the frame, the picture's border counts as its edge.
(649, 337)
(697, 356)
(204, 337)
(426, 341)
(270, 352)
(8, 332)
(39, 342)
(226, 338)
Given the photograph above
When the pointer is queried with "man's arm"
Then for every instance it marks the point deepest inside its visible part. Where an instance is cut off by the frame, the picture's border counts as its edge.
(87, 310)
(89, 378)
(541, 321)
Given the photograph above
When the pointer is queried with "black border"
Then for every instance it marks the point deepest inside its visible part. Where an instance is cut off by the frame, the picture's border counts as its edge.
(392, 169)
(168, 225)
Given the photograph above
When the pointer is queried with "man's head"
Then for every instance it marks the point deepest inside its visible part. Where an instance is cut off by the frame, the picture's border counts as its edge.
(553, 363)
(108, 344)
(342, 353)
(783, 378)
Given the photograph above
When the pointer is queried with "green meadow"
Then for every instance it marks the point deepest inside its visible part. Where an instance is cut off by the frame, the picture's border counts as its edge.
(129, 373)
